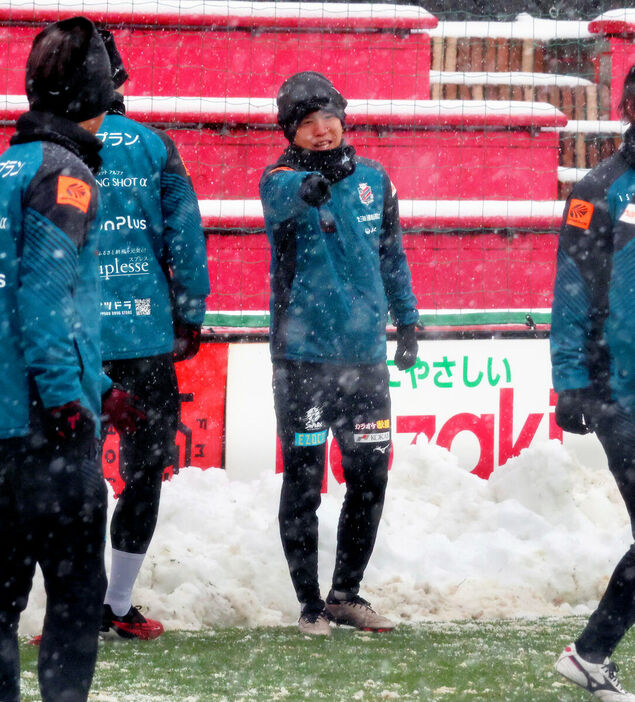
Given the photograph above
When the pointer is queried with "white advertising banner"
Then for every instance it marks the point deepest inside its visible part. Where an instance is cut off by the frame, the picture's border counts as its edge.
(483, 400)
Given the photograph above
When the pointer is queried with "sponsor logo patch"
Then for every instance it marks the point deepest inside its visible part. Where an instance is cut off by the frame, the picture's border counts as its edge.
(314, 438)
(371, 426)
(73, 191)
(314, 419)
(628, 215)
(580, 213)
(372, 438)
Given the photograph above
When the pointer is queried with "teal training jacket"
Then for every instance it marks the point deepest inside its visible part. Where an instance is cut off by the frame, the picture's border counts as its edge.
(152, 254)
(593, 314)
(336, 270)
(49, 328)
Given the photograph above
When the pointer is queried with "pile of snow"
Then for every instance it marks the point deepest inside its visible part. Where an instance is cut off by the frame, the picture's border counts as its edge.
(539, 538)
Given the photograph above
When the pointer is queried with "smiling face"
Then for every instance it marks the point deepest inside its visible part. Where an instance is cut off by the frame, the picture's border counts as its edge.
(319, 131)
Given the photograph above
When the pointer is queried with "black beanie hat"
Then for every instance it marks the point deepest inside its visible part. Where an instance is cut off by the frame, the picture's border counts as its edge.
(304, 93)
(68, 71)
(117, 71)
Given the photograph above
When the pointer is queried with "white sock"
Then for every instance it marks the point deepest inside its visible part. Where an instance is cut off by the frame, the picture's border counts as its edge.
(124, 569)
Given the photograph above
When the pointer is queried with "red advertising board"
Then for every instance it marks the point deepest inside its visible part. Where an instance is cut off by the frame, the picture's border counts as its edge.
(202, 386)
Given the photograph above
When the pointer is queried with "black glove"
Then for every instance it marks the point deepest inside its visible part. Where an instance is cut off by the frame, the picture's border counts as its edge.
(187, 340)
(120, 409)
(68, 422)
(575, 410)
(315, 190)
(407, 347)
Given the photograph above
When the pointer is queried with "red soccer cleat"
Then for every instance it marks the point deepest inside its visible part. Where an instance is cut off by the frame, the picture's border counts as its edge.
(132, 625)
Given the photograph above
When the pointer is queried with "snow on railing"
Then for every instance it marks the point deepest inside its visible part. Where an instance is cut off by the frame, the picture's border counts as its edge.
(523, 27)
(425, 113)
(594, 126)
(414, 214)
(524, 78)
(571, 175)
(232, 13)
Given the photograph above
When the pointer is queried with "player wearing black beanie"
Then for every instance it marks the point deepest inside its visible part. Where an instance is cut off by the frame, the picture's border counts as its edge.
(52, 495)
(337, 268)
(304, 93)
(68, 71)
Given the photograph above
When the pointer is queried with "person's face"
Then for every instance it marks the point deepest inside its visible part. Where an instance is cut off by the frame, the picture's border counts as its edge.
(319, 131)
(629, 110)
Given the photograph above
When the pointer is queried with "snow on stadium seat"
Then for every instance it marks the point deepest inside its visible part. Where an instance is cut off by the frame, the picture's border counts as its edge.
(238, 48)
(461, 169)
(583, 144)
(617, 52)
(432, 149)
(481, 262)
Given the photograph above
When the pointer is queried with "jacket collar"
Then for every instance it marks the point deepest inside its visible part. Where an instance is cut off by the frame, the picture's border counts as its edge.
(334, 164)
(45, 126)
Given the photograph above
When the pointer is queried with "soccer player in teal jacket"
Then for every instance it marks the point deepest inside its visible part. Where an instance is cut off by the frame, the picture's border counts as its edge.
(154, 282)
(337, 269)
(52, 495)
(593, 359)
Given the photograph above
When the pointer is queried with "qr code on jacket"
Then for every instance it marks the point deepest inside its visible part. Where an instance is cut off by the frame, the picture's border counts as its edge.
(142, 306)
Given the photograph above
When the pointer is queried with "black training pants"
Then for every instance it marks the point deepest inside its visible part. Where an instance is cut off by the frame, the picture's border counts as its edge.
(354, 402)
(52, 513)
(615, 613)
(144, 454)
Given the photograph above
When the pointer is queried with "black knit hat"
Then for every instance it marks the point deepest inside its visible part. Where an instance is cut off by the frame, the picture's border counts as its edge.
(304, 93)
(117, 70)
(68, 71)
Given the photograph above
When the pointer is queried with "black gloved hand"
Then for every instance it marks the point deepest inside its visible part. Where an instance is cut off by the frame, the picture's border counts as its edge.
(575, 409)
(315, 190)
(407, 347)
(120, 409)
(68, 422)
(187, 340)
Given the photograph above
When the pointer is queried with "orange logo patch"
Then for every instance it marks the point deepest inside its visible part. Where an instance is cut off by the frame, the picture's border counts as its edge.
(72, 191)
(580, 213)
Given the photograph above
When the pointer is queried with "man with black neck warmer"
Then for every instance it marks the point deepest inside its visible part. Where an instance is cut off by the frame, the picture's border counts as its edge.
(337, 269)
(52, 494)
(592, 339)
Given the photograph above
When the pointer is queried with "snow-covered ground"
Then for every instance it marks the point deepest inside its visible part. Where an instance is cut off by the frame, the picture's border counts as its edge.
(539, 538)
